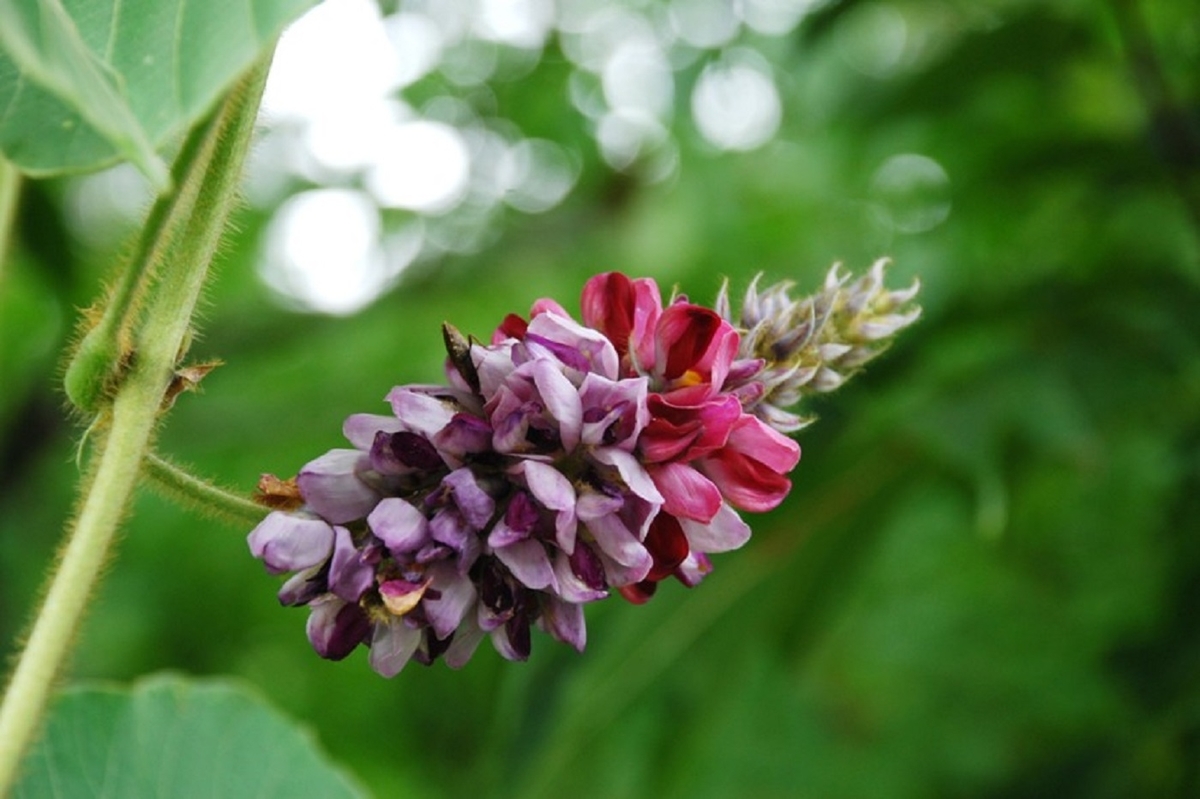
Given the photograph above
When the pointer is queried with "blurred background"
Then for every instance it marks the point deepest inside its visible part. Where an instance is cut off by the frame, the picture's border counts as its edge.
(986, 579)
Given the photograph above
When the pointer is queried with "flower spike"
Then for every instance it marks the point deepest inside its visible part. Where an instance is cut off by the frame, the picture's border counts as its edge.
(565, 462)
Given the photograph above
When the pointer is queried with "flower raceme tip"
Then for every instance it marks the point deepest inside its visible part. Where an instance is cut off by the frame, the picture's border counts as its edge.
(560, 462)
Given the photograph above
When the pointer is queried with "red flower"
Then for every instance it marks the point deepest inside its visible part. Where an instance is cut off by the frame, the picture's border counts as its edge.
(704, 453)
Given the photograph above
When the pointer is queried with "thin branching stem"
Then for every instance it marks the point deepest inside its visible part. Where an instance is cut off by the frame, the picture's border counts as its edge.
(180, 485)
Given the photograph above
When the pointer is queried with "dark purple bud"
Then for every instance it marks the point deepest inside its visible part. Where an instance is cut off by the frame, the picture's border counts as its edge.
(587, 566)
(494, 591)
(335, 627)
(416, 451)
(520, 643)
(458, 348)
(303, 587)
(522, 513)
(434, 646)
(403, 452)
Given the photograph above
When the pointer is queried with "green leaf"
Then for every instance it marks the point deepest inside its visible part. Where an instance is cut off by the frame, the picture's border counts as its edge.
(177, 737)
(91, 82)
(47, 47)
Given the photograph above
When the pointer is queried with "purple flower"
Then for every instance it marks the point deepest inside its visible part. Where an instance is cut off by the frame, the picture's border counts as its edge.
(562, 462)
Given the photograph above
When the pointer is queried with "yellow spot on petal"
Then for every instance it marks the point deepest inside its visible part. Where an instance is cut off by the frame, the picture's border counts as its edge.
(399, 604)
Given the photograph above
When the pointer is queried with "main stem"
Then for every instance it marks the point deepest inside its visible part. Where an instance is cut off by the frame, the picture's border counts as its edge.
(206, 177)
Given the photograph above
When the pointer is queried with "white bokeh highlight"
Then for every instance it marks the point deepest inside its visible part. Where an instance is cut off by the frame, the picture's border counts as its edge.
(735, 103)
(913, 191)
(423, 166)
(323, 251)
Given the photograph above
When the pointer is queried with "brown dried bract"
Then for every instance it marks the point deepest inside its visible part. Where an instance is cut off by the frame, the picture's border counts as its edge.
(458, 347)
(278, 494)
(187, 378)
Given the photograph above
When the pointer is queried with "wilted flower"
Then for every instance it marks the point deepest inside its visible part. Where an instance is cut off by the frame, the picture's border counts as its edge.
(792, 348)
(563, 461)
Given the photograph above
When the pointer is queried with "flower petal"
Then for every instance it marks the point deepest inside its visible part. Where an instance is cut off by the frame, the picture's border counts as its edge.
(564, 621)
(634, 475)
(286, 542)
(751, 469)
(562, 402)
(423, 409)
(593, 504)
(400, 526)
(336, 627)
(548, 485)
(466, 641)
(587, 567)
(626, 311)
(693, 569)
(465, 434)
(401, 596)
(726, 531)
(619, 575)
(616, 541)
(528, 562)
(614, 411)
(476, 505)
(687, 493)
(512, 640)
(392, 646)
(349, 575)
(581, 349)
(450, 528)
(493, 365)
(767, 445)
(360, 428)
(667, 544)
(332, 489)
(303, 587)
(456, 595)
(554, 491)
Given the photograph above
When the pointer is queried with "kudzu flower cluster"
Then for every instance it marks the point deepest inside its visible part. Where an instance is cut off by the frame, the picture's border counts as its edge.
(561, 462)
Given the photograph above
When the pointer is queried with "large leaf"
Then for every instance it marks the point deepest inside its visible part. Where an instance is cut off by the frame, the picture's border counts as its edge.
(175, 737)
(45, 43)
(64, 87)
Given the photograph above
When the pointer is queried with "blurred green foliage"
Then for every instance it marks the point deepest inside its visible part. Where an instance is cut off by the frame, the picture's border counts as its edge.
(986, 580)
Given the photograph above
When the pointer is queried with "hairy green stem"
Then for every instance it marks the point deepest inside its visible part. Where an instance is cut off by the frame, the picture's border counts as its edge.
(97, 360)
(180, 485)
(206, 176)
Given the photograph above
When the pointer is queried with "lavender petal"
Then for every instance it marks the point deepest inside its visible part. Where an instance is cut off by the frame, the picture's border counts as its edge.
(287, 542)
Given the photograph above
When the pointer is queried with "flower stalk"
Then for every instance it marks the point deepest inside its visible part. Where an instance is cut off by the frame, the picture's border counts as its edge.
(185, 488)
(184, 228)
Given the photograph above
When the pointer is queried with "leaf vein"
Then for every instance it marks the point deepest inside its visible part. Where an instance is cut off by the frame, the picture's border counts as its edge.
(114, 24)
(176, 51)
